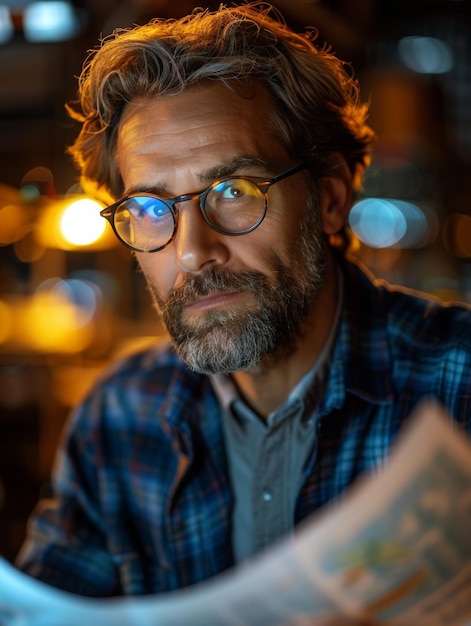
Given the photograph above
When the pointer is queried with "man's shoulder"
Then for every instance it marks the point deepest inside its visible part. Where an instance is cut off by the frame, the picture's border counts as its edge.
(149, 377)
(417, 317)
(145, 360)
(148, 391)
(397, 344)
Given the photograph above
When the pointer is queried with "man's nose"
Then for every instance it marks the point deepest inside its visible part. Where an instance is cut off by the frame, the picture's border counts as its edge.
(197, 245)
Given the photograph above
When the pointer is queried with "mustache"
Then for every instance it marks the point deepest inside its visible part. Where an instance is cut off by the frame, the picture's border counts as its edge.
(214, 281)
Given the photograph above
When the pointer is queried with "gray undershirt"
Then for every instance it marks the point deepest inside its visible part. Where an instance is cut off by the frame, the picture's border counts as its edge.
(268, 461)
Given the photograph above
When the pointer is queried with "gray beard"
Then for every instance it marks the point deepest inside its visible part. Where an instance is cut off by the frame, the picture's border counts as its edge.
(227, 341)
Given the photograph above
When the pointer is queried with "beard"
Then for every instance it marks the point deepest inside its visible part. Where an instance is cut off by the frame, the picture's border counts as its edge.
(226, 341)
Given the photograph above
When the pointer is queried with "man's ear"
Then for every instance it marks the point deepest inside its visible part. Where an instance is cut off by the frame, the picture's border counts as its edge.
(336, 195)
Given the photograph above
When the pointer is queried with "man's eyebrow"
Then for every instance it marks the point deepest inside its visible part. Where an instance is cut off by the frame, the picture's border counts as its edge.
(153, 189)
(234, 166)
(238, 164)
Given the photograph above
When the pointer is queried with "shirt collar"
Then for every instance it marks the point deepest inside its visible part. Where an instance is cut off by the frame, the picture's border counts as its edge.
(311, 383)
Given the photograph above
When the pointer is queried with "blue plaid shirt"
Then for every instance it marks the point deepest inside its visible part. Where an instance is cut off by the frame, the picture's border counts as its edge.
(143, 499)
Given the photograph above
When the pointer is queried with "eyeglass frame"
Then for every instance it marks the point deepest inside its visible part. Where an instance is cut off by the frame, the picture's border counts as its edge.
(263, 184)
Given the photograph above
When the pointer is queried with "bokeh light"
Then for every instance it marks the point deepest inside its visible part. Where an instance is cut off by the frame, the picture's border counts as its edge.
(28, 249)
(383, 223)
(51, 323)
(13, 221)
(457, 235)
(61, 317)
(82, 294)
(425, 55)
(81, 223)
(7, 29)
(53, 20)
(5, 321)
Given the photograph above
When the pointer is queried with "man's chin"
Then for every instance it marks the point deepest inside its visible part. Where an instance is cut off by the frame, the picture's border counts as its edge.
(205, 338)
(214, 350)
(220, 366)
(220, 324)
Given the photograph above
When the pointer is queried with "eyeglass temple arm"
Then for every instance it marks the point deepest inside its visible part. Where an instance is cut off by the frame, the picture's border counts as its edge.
(290, 172)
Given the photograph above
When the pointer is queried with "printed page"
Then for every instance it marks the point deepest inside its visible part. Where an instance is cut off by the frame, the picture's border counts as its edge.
(272, 591)
(396, 550)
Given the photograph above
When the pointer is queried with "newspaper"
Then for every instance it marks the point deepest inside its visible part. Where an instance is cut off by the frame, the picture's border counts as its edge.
(396, 550)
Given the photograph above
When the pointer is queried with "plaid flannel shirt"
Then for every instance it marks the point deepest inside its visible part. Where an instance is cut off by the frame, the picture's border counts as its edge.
(142, 498)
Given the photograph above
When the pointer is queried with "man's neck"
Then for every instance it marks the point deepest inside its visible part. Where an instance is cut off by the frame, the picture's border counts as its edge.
(267, 386)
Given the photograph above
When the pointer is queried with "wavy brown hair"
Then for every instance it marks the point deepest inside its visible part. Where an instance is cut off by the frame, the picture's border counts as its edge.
(317, 102)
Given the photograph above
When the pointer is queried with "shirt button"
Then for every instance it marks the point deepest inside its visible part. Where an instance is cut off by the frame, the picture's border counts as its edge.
(266, 495)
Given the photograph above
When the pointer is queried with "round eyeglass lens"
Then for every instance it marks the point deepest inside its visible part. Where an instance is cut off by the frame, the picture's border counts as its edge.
(144, 222)
(235, 205)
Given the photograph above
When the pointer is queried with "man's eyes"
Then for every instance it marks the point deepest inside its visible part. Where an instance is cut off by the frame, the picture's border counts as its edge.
(234, 188)
(147, 207)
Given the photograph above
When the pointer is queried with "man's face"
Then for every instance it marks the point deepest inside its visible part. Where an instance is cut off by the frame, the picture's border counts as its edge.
(229, 302)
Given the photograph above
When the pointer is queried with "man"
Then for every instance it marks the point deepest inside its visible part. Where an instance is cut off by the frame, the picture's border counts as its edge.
(229, 149)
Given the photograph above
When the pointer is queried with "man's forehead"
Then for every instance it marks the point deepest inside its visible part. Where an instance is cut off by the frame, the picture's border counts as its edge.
(236, 93)
(210, 119)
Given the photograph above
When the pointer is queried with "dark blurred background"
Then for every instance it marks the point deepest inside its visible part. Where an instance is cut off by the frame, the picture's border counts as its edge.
(70, 297)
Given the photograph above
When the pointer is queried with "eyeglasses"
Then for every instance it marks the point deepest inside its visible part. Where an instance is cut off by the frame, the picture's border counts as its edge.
(235, 205)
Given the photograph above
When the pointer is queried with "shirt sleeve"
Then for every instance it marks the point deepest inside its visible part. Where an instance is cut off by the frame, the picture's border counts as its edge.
(66, 543)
